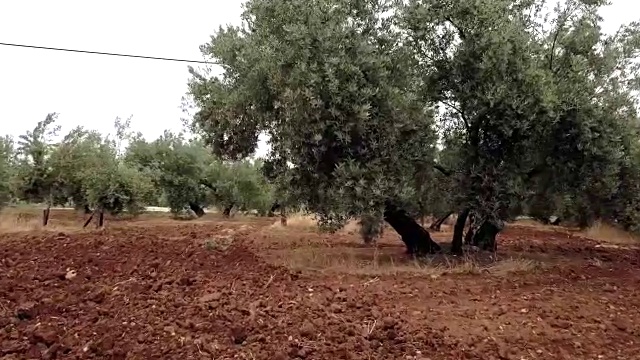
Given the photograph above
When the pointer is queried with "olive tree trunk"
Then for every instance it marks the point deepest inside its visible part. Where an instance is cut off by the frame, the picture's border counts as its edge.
(197, 209)
(227, 210)
(415, 237)
(458, 232)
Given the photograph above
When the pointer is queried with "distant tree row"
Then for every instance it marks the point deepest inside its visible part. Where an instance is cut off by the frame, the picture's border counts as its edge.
(89, 171)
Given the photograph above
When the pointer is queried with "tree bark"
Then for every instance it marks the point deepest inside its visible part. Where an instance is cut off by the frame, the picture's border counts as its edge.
(227, 210)
(274, 207)
(543, 219)
(197, 209)
(45, 215)
(87, 210)
(458, 230)
(485, 237)
(415, 237)
(468, 238)
(556, 222)
(438, 223)
(86, 223)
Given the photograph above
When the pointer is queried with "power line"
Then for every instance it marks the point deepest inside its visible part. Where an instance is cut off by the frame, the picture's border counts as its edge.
(106, 53)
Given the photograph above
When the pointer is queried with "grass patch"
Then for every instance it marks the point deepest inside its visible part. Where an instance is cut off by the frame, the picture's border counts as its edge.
(375, 262)
(15, 220)
(25, 219)
(218, 243)
(297, 221)
(608, 233)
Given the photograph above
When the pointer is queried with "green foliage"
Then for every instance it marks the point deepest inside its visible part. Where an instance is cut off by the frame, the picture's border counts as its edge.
(116, 187)
(371, 227)
(241, 184)
(33, 181)
(331, 84)
(83, 168)
(176, 166)
(91, 171)
(106, 181)
(539, 108)
(6, 169)
(532, 110)
(187, 173)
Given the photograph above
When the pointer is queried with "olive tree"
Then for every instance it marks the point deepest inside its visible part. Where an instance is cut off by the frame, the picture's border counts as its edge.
(239, 184)
(83, 168)
(32, 180)
(333, 85)
(177, 167)
(110, 184)
(69, 161)
(536, 103)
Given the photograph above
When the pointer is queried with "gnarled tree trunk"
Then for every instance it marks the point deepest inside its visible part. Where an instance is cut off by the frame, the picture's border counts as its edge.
(468, 238)
(197, 209)
(485, 236)
(458, 232)
(438, 223)
(275, 206)
(227, 210)
(415, 237)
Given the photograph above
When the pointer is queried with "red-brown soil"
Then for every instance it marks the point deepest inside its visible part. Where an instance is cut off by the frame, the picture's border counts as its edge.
(163, 289)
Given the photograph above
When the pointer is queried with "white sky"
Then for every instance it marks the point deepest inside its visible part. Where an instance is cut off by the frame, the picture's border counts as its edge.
(92, 90)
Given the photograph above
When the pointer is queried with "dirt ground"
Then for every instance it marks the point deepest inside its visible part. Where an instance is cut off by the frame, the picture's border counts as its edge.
(247, 288)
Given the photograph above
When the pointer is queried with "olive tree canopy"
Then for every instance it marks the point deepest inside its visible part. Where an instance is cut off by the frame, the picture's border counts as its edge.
(334, 87)
(349, 92)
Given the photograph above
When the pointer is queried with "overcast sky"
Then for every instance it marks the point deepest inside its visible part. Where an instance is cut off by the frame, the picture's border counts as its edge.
(92, 90)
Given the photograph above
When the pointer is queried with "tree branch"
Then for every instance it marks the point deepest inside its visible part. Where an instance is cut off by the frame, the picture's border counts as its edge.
(561, 24)
(458, 29)
(459, 111)
(442, 169)
(208, 185)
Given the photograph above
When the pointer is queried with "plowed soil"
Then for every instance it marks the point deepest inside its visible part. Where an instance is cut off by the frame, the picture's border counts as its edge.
(246, 289)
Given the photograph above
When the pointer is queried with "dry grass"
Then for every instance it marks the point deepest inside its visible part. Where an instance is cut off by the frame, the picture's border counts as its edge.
(610, 234)
(528, 223)
(301, 221)
(351, 228)
(22, 219)
(376, 263)
(297, 221)
(19, 222)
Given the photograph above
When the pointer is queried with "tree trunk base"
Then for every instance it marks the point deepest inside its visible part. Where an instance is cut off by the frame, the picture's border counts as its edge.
(227, 211)
(415, 237)
(458, 232)
(438, 223)
(197, 209)
(485, 236)
(272, 210)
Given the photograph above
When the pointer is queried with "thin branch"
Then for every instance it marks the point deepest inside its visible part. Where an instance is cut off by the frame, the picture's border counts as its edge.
(442, 169)
(459, 111)
(567, 13)
(208, 185)
(458, 29)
